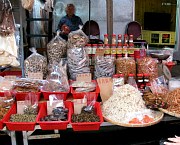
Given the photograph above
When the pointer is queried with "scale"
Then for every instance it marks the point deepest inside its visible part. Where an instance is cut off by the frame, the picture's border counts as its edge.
(162, 68)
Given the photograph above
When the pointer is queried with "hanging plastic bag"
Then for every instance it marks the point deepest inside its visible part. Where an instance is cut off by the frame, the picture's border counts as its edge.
(35, 63)
(7, 24)
(56, 49)
(77, 38)
(27, 4)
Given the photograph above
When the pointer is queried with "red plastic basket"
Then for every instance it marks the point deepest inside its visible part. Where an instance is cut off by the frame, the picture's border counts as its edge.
(2, 124)
(20, 96)
(52, 125)
(18, 126)
(89, 126)
(91, 95)
(14, 73)
(63, 94)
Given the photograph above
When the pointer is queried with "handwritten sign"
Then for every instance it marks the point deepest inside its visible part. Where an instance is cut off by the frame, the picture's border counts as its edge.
(20, 107)
(105, 85)
(38, 75)
(86, 77)
(99, 52)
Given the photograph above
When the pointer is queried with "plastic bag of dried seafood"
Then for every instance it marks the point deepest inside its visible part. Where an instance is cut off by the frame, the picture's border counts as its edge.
(77, 39)
(78, 62)
(104, 67)
(56, 49)
(35, 63)
(57, 80)
(125, 66)
(148, 65)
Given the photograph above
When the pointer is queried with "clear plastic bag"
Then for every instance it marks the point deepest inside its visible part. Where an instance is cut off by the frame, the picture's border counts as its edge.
(125, 66)
(104, 67)
(31, 104)
(57, 80)
(77, 39)
(78, 62)
(35, 63)
(148, 65)
(56, 49)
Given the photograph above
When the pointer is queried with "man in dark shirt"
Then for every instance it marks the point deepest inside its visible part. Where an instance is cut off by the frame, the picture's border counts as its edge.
(70, 22)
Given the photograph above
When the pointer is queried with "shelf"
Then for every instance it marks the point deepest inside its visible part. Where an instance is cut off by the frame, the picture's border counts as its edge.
(38, 19)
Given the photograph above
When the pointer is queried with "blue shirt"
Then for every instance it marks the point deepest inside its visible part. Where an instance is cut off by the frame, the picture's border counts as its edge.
(72, 22)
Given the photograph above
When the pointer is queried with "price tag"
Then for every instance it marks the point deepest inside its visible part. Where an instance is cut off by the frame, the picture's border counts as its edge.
(10, 77)
(86, 77)
(105, 85)
(20, 107)
(38, 75)
(99, 52)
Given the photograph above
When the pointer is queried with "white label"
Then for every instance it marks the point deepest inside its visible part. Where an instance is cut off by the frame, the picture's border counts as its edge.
(38, 75)
(20, 107)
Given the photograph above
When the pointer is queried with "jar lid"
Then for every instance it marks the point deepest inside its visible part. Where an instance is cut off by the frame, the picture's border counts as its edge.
(140, 75)
(121, 75)
(113, 34)
(107, 44)
(94, 44)
(100, 44)
(105, 34)
(146, 75)
(120, 44)
(113, 44)
(88, 44)
(131, 75)
(119, 35)
(115, 75)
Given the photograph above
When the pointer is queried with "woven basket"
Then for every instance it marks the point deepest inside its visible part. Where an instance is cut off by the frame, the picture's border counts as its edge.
(157, 118)
(170, 113)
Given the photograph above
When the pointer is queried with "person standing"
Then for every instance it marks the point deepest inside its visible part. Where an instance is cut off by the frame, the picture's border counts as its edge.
(70, 22)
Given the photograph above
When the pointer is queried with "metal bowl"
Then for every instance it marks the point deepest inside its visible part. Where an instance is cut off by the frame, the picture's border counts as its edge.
(159, 56)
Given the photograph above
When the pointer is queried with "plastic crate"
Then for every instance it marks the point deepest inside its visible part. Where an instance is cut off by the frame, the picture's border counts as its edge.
(63, 94)
(10, 73)
(52, 125)
(18, 126)
(20, 96)
(89, 126)
(2, 124)
(80, 95)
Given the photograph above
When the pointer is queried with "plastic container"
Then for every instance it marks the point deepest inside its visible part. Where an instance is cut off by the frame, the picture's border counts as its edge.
(80, 95)
(89, 126)
(2, 124)
(20, 96)
(52, 125)
(46, 94)
(18, 126)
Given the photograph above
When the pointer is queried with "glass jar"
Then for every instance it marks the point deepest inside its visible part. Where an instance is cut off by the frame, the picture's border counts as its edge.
(125, 50)
(131, 80)
(106, 39)
(130, 39)
(94, 47)
(113, 38)
(131, 50)
(125, 38)
(107, 49)
(146, 78)
(119, 49)
(113, 49)
(100, 46)
(118, 80)
(120, 39)
(140, 80)
(88, 48)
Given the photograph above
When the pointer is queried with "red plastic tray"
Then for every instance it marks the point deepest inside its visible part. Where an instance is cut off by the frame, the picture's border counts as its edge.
(80, 95)
(20, 96)
(46, 94)
(2, 124)
(14, 73)
(18, 126)
(52, 125)
(89, 126)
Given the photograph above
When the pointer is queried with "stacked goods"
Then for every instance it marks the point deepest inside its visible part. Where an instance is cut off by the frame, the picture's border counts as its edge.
(127, 106)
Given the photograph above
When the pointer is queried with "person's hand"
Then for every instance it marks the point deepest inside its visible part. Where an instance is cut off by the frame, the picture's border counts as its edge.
(65, 29)
(174, 141)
